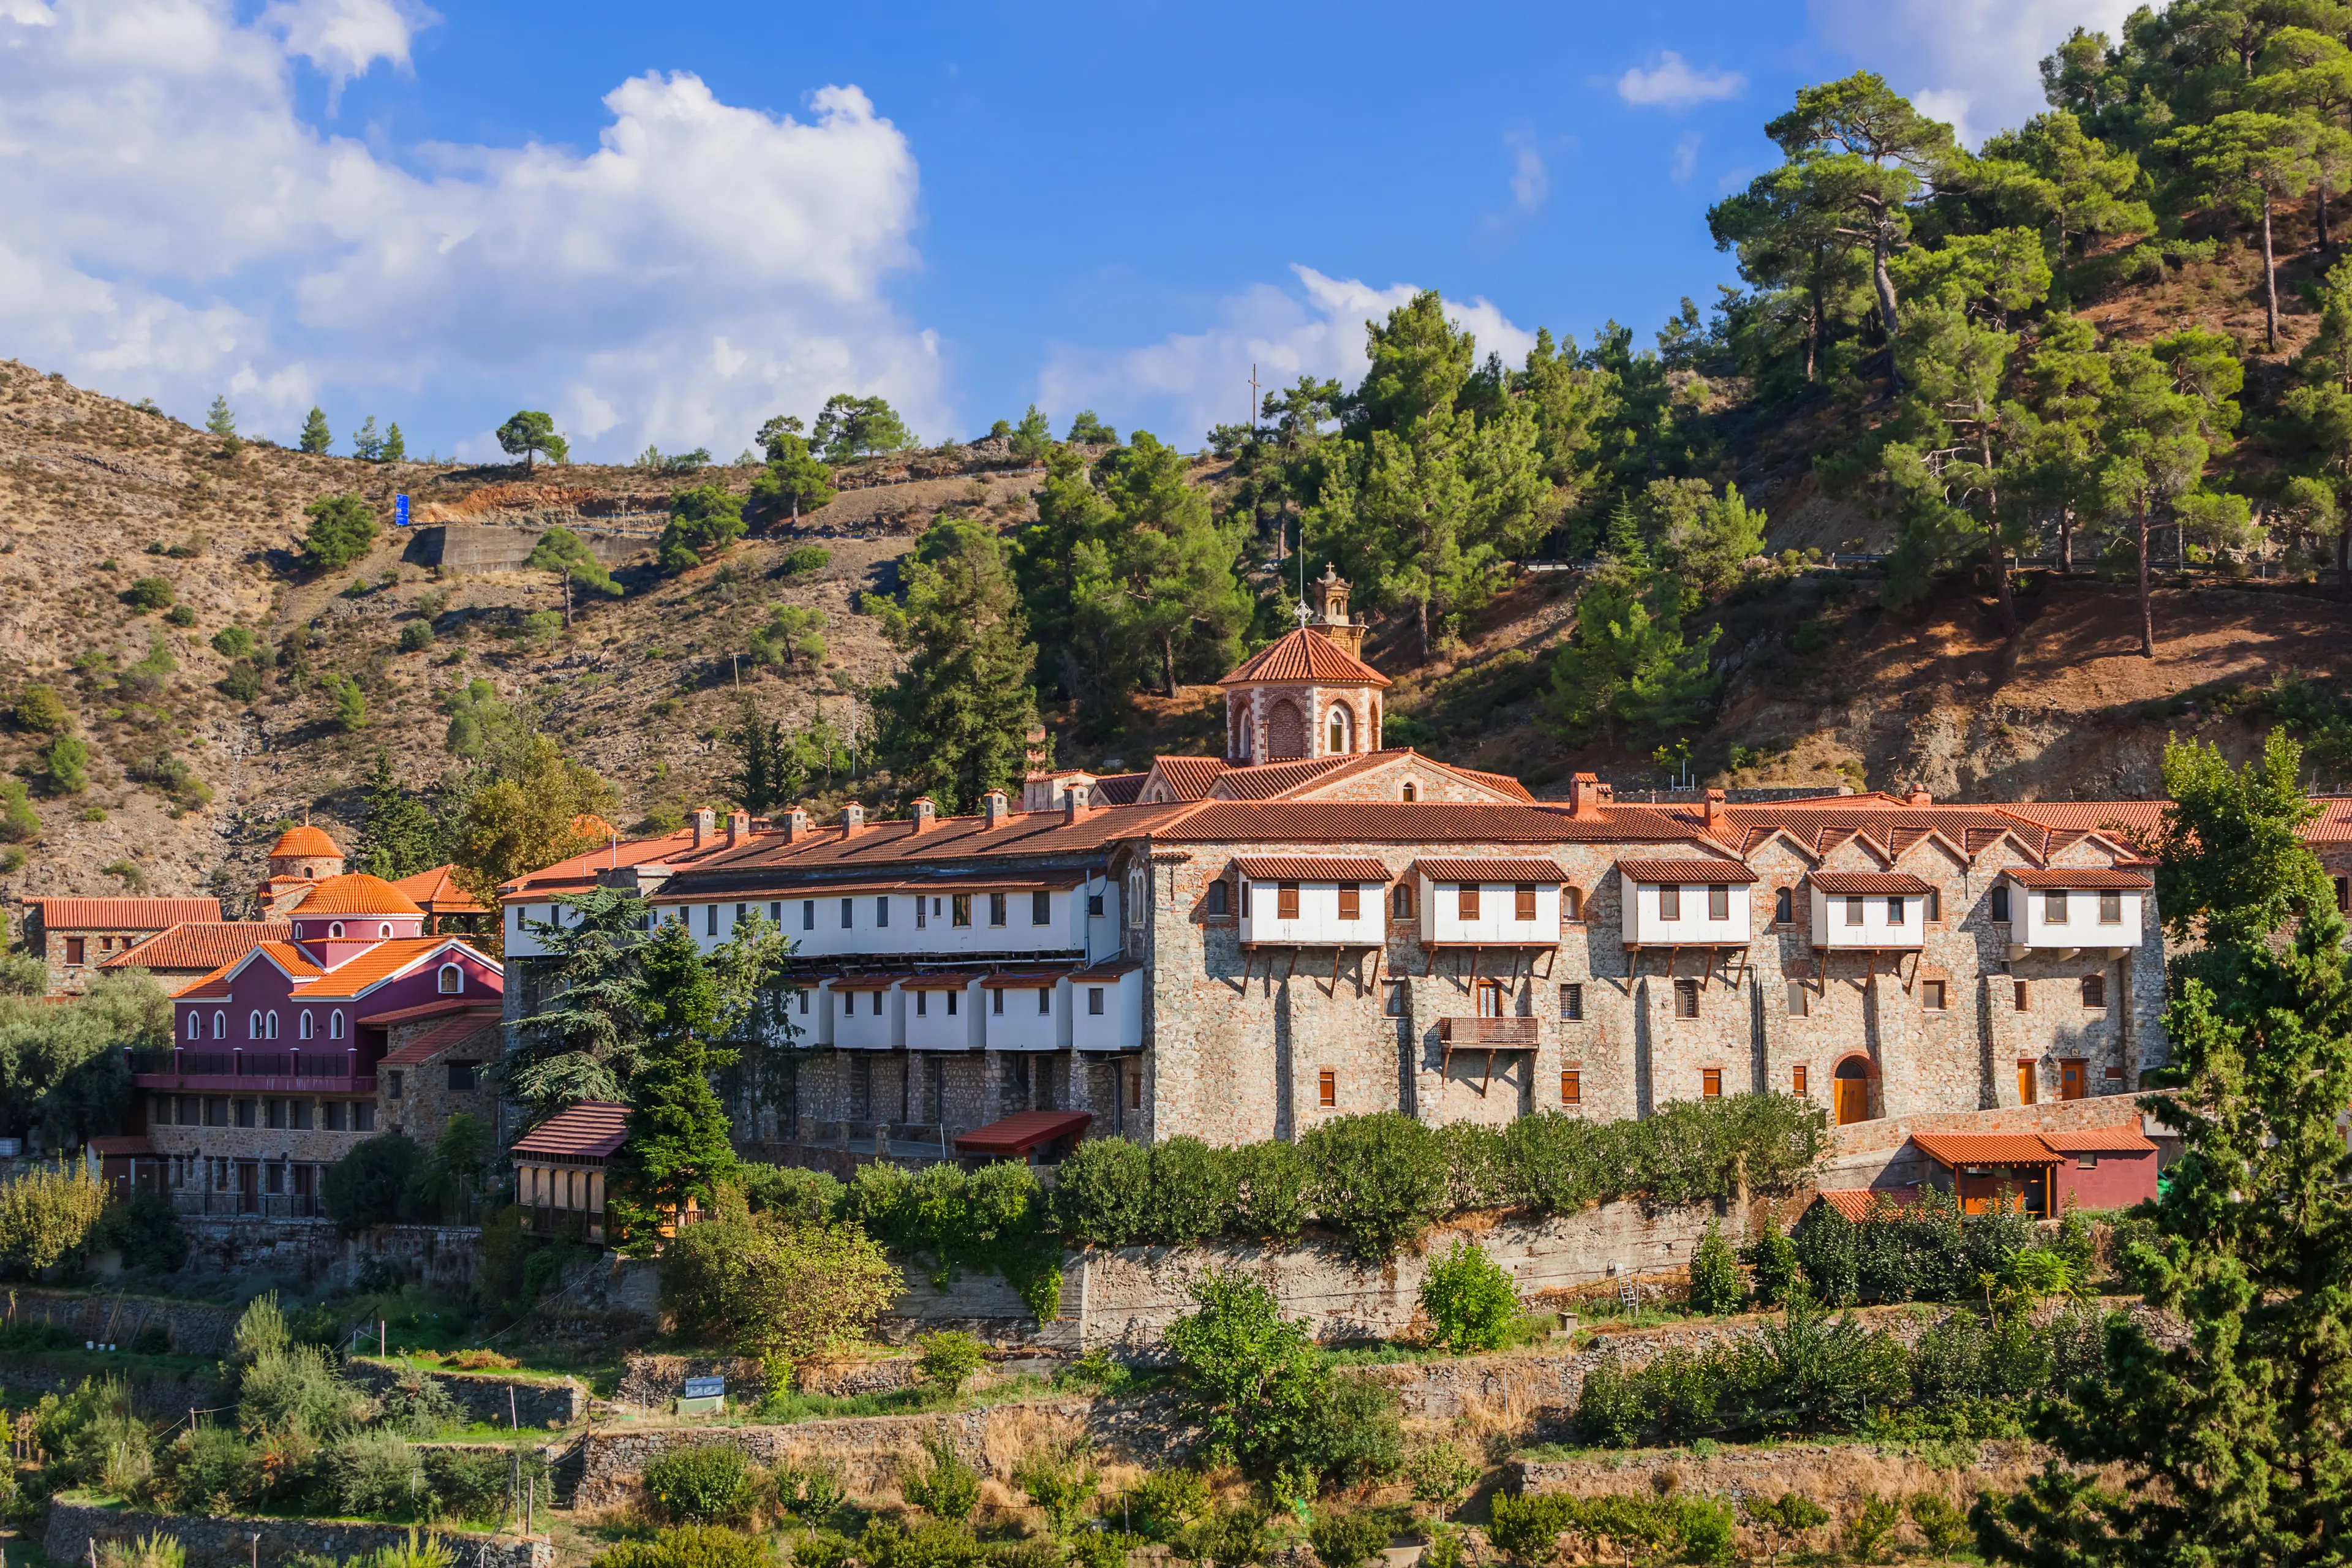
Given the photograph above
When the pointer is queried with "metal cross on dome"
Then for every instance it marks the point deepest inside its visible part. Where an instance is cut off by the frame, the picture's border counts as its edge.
(1303, 612)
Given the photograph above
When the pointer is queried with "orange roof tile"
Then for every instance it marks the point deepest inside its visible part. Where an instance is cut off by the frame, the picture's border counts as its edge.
(1024, 979)
(1489, 870)
(2122, 1138)
(1870, 882)
(305, 840)
(436, 891)
(1023, 1131)
(356, 893)
(2082, 877)
(1265, 781)
(1856, 1202)
(1191, 778)
(1425, 822)
(579, 870)
(1985, 1148)
(123, 914)
(365, 970)
(434, 1041)
(870, 981)
(1305, 655)
(943, 981)
(1300, 868)
(1117, 789)
(1656, 872)
(433, 1009)
(200, 944)
(291, 961)
(592, 1130)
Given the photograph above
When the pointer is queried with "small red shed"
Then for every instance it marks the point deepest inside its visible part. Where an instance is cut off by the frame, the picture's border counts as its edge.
(2104, 1167)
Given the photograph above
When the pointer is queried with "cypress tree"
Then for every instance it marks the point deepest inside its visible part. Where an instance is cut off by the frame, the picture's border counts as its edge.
(401, 835)
(677, 1146)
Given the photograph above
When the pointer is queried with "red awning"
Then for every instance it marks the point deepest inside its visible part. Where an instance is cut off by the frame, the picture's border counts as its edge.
(1023, 1131)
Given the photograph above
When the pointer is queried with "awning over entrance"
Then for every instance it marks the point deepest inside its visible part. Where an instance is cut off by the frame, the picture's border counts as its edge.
(1022, 1133)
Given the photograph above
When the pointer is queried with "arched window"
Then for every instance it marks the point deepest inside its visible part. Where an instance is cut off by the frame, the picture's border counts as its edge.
(383, 930)
(335, 930)
(220, 1025)
(305, 1028)
(253, 1024)
(1411, 791)
(195, 1025)
(1571, 903)
(1220, 899)
(1784, 906)
(269, 1025)
(1401, 902)
(453, 980)
(309, 872)
(1337, 741)
(335, 1025)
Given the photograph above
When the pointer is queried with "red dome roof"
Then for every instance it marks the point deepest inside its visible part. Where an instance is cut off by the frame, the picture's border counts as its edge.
(304, 840)
(356, 893)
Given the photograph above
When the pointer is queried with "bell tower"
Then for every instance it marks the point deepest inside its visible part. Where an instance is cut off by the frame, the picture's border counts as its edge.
(1331, 602)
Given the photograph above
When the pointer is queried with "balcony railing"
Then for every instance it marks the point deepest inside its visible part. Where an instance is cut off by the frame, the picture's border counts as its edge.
(156, 1068)
(1489, 1031)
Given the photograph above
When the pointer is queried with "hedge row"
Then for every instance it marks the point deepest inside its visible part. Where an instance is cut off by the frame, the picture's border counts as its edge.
(1928, 1250)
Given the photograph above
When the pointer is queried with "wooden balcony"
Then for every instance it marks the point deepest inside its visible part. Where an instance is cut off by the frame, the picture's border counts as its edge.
(1498, 1034)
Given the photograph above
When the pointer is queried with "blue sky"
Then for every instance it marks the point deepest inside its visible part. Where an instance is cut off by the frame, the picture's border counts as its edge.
(665, 223)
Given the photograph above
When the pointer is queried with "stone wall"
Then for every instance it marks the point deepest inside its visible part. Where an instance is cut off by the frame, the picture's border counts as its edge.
(480, 547)
(486, 1396)
(152, 1392)
(227, 1542)
(196, 1327)
(1874, 1153)
(1839, 1477)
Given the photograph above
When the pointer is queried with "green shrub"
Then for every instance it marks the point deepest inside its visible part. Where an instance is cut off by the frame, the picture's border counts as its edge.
(153, 1550)
(1351, 1433)
(811, 1493)
(1715, 1276)
(467, 1483)
(297, 1389)
(1189, 1196)
(1247, 1374)
(211, 1470)
(417, 1405)
(1061, 1480)
(234, 642)
(241, 683)
(1610, 1411)
(1784, 1521)
(1939, 1520)
(350, 702)
(47, 1215)
(147, 594)
(1230, 1538)
(1527, 1529)
(1269, 1191)
(1866, 1532)
(701, 1483)
(342, 528)
(801, 560)
(949, 1358)
(943, 1484)
(820, 1548)
(1343, 1538)
(1771, 1260)
(1100, 1191)
(180, 615)
(145, 1229)
(1377, 1179)
(1442, 1476)
(791, 1192)
(416, 1551)
(19, 822)
(415, 637)
(706, 1546)
(1166, 1502)
(934, 1544)
(40, 709)
(84, 1433)
(372, 1184)
(373, 1472)
(66, 761)
(1469, 1299)
(1477, 1166)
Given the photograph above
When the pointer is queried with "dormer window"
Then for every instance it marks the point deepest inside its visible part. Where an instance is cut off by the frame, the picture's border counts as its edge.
(335, 930)
(384, 929)
(1411, 792)
(453, 980)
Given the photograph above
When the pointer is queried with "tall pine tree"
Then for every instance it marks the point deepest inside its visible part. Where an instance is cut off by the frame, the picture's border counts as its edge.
(676, 1148)
(402, 835)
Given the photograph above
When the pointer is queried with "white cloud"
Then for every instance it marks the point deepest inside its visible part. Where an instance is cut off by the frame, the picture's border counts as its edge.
(1973, 63)
(1530, 180)
(1187, 381)
(177, 230)
(1685, 158)
(1672, 84)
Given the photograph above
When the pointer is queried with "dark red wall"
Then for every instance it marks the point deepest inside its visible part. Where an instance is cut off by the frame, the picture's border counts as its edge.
(2120, 1180)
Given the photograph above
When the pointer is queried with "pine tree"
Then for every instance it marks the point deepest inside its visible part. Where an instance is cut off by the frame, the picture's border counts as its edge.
(765, 776)
(676, 1147)
(315, 435)
(395, 449)
(1628, 671)
(367, 445)
(400, 835)
(2230, 1441)
(568, 555)
(954, 721)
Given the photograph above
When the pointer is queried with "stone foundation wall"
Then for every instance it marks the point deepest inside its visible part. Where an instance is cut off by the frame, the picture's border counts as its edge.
(1873, 1154)
(486, 1396)
(226, 1542)
(152, 1392)
(197, 1327)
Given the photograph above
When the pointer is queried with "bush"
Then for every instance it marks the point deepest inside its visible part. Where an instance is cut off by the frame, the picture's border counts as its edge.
(949, 1358)
(145, 1229)
(171, 777)
(415, 637)
(19, 822)
(373, 1472)
(209, 1471)
(702, 1546)
(373, 1184)
(147, 594)
(1061, 1481)
(1189, 1197)
(775, 1290)
(1167, 1502)
(1248, 1374)
(1344, 1538)
(1527, 1529)
(1939, 1520)
(180, 615)
(820, 1548)
(234, 642)
(1442, 1476)
(153, 1550)
(66, 761)
(47, 1216)
(342, 528)
(350, 702)
(1715, 1276)
(944, 1486)
(1867, 1531)
(1230, 1538)
(297, 1389)
(801, 560)
(241, 683)
(84, 1433)
(706, 518)
(1771, 1260)
(1100, 1191)
(1469, 1299)
(417, 1405)
(1377, 1179)
(935, 1544)
(791, 1192)
(40, 709)
(1353, 1433)
(1610, 1411)
(704, 1483)
(1269, 1191)
(467, 1483)
(1784, 1521)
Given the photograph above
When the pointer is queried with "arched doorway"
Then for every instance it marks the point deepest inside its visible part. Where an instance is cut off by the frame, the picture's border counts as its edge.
(1853, 1081)
(1285, 732)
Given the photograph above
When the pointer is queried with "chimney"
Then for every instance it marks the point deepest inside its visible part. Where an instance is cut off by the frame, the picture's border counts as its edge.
(796, 824)
(1078, 800)
(994, 809)
(1584, 797)
(1919, 798)
(1713, 809)
(853, 820)
(706, 827)
(927, 815)
(1034, 745)
(739, 827)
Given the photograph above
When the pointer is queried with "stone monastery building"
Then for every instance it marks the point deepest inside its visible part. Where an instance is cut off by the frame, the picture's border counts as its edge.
(1312, 925)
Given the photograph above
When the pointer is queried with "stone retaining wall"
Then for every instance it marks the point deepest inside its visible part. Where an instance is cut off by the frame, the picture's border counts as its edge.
(1839, 1477)
(152, 1392)
(226, 1542)
(486, 1396)
(196, 1327)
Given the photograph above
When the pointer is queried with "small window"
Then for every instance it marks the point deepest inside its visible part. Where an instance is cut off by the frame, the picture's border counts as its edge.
(1093, 1001)
(1854, 908)
(2111, 909)
(1571, 1087)
(2054, 906)
(1133, 1080)
(1041, 908)
(334, 1113)
(2018, 996)
(195, 1026)
(1931, 905)
(2344, 895)
(1466, 902)
(1686, 998)
(461, 1076)
(2086, 1162)
(245, 1112)
(1392, 999)
(1797, 1081)
(1523, 903)
(305, 1028)
(453, 981)
(808, 914)
(220, 1025)
(2000, 902)
(996, 1002)
(2095, 991)
(77, 950)
(1411, 792)
(1898, 912)
(393, 1085)
(2028, 1084)
(253, 1024)
(882, 914)
(362, 1117)
(877, 1004)
(848, 913)
(1286, 901)
(959, 909)
(1670, 903)
(1718, 903)
(1784, 907)
(1044, 1001)
(1800, 999)
(951, 1001)
(1571, 904)
(1326, 1088)
(1220, 901)
(1710, 1083)
(996, 909)
(805, 1004)
(711, 920)
(1352, 902)
(269, 1025)
(1931, 995)
(922, 1003)
(1094, 905)
(743, 912)
(1572, 1002)
(1401, 902)
(385, 931)
(776, 913)
(335, 930)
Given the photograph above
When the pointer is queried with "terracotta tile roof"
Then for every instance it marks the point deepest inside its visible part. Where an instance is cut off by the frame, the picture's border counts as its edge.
(357, 893)
(1855, 1203)
(1117, 789)
(365, 970)
(2122, 1138)
(2084, 878)
(291, 959)
(2087, 815)
(1413, 822)
(2335, 820)
(1985, 1148)
(123, 914)
(1489, 870)
(592, 1130)
(121, 1145)
(446, 1005)
(1269, 781)
(875, 981)
(984, 880)
(1298, 868)
(579, 870)
(436, 892)
(1189, 778)
(1870, 882)
(1023, 1131)
(200, 944)
(1502, 782)
(454, 1032)
(305, 840)
(943, 982)
(1305, 655)
(896, 849)
(1109, 969)
(1684, 871)
(1023, 979)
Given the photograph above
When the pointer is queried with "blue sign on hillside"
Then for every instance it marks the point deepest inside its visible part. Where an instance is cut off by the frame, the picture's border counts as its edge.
(705, 1387)
(400, 512)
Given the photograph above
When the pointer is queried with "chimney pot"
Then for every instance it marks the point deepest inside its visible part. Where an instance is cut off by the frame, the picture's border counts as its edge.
(1919, 798)
(853, 819)
(926, 814)
(706, 827)
(1078, 800)
(796, 824)
(739, 827)
(994, 810)
(1583, 797)
(1714, 807)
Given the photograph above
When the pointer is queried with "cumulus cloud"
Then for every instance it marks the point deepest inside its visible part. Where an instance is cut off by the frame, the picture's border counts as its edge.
(1187, 381)
(1672, 84)
(179, 230)
(1974, 64)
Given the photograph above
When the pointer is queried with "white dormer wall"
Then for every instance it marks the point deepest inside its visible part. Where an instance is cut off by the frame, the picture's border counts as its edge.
(1120, 1026)
(931, 1027)
(522, 942)
(1102, 933)
(812, 1013)
(918, 923)
(1647, 925)
(1021, 1027)
(1878, 930)
(2082, 928)
(1497, 923)
(856, 1026)
(1319, 918)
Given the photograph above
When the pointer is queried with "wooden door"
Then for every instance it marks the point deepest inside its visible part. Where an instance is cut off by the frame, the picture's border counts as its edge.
(1852, 1101)
(2029, 1087)
(2070, 1080)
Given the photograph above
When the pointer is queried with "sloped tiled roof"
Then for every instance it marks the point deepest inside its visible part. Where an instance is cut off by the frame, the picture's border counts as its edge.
(1684, 871)
(2122, 1138)
(200, 944)
(1503, 782)
(442, 1037)
(1856, 1202)
(1117, 789)
(305, 840)
(123, 914)
(1023, 1131)
(1189, 778)
(1870, 882)
(436, 892)
(877, 981)
(291, 959)
(1024, 979)
(1109, 969)
(943, 981)
(1426, 822)
(579, 870)
(379, 962)
(356, 893)
(1985, 1148)
(1302, 868)
(2083, 877)
(2089, 816)
(1305, 655)
(1268, 780)
(1438, 870)
(591, 1130)
(438, 1008)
